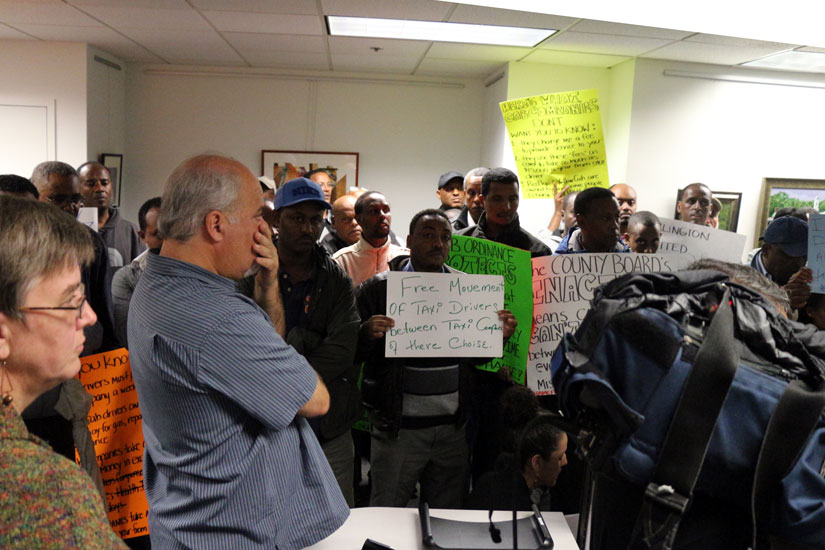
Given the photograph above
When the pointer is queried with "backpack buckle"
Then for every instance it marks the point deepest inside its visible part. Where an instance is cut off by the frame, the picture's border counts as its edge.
(665, 495)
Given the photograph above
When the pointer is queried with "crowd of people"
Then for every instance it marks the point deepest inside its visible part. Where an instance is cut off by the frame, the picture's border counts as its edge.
(256, 319)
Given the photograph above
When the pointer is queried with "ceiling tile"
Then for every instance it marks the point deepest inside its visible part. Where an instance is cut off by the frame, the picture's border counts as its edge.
(416, 10)
(476, 52)
(605, 27)
(197, 47)
(46, 12)
(287, 60)
(100, 37)
(602, 43)
(376, 63)
(398, 48)
(236, 21)
(294, 7)
(151, 19)
(153, 4)
(276, 42)
(456, 69)
(697, 52)
(739, 42)
(480, 15)
(7, 32)
(574, 58)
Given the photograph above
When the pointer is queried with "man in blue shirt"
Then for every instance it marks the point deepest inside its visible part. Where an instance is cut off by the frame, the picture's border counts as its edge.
(230, 461)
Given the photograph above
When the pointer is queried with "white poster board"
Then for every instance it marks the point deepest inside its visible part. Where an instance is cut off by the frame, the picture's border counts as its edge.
(562, 289)
(699, 241)
(444, 315)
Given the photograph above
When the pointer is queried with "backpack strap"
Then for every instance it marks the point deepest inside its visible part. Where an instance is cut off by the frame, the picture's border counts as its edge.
(790, 427)
(668, 495)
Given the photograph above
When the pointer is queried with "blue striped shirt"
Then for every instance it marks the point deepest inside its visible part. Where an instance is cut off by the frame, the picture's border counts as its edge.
(227, 463)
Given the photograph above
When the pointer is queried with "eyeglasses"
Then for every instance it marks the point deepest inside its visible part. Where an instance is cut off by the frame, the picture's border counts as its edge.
(78, 308)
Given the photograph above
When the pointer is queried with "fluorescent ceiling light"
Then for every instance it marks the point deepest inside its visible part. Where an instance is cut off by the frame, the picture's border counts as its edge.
(808, 62)
(436, 31)
(787, 22)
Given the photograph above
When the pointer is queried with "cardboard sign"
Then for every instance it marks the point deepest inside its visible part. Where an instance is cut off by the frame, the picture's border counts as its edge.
(816, 251)
(699, 241)
(117, 429)
(562, 289)
(444, 315)
(557, 138)
(481, 256)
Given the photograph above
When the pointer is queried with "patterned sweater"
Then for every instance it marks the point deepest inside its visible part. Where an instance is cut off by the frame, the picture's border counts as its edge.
(46, 501)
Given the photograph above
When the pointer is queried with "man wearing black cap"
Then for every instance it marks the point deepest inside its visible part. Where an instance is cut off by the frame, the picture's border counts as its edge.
(451, 193)
(783, 256)
(321, 319)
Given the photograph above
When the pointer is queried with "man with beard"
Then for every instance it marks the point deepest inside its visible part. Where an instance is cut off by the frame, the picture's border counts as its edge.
(473, 207)
(321, 320)
(374, 250)
(121, 236)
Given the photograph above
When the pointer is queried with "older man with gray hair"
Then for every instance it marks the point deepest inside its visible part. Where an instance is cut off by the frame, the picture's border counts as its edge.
(230, 460)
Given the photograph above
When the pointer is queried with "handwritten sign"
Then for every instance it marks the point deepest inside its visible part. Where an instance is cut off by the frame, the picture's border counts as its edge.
(562, 289)
(557, 138)
(444, 315)
(699, 241)
(116, 426)
(816, 251)
(481, 256)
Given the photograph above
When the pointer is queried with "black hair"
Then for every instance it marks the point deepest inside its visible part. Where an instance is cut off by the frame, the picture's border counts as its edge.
(800, 213)
(585, 198)
(359, 203)
(91, 163)
(154, 202)
(497, 175)
(540, 437)
(17, 185)
(748, 277)
(427, 212)
(696, 185)
(647, 219)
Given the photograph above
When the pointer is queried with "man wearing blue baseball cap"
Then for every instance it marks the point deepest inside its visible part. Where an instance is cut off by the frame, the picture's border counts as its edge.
(783, 256)
(321, 319)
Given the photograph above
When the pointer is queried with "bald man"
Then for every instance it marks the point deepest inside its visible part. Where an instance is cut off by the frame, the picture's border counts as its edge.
(626, 196)
(344, 230)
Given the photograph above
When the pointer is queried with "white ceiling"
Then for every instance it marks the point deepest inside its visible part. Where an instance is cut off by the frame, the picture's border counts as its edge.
(291, 34)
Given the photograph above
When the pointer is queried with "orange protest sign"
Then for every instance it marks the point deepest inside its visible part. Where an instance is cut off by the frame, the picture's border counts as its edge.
(117, 429)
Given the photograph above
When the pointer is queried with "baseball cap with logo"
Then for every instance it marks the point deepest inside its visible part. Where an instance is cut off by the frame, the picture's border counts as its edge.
(300, 190)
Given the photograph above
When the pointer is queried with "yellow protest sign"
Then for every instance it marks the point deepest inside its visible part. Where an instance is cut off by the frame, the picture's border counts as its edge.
(117, 429)
(557, 138)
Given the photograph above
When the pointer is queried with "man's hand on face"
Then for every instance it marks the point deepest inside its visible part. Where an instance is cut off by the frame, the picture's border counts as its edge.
(376, 327)
(799, 287)
(267, 257)
(508, 323)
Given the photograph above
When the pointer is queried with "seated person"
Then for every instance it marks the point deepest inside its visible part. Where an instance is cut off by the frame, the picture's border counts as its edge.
(643, 233)
(527, 475)
(48, 501)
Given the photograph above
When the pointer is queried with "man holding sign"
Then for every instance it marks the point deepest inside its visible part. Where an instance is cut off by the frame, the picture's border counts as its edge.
(418, 406)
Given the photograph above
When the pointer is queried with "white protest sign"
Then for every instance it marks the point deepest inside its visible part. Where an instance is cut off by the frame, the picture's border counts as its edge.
(816, 251)
(562, 289)
(88, 217)
(699, 241)
(444, 314)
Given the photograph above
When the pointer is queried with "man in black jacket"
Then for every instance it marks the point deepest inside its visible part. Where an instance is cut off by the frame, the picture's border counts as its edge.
(418, 407)
(499, 222)
(321, 319)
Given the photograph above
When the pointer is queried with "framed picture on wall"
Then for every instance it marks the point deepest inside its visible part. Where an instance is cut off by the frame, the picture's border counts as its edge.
(283, 166)
(114, 163)
(788, 193)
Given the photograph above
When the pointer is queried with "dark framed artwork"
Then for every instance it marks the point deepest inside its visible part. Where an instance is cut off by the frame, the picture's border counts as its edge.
(283, 166)
(788, 193)
(114, 163)
(729, 216)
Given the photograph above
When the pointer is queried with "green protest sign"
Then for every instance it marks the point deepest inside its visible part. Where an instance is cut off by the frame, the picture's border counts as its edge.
(483, 257)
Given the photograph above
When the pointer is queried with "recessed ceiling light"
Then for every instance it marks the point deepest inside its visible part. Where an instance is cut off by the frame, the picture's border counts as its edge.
(436, 31)
(809, 62)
